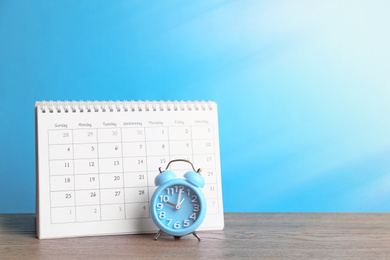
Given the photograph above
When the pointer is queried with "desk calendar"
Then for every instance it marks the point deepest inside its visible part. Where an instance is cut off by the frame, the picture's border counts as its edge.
(97, 161)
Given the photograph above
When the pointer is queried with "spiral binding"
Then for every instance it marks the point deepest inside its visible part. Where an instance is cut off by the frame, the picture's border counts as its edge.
(118, 106)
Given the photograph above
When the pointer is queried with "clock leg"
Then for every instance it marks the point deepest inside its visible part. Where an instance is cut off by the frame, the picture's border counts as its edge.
(196, 235)
(158, 234)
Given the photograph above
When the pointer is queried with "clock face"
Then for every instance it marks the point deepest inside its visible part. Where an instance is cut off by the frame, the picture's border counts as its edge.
(177, 207)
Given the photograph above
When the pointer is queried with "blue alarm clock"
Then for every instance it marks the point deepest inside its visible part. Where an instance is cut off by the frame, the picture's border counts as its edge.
(178, 206)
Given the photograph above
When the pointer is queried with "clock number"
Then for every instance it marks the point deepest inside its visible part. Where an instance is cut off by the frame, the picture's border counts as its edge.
(162, 215)
(159, 206)
(164, 198)
(193, 216)
(177, 224)
(186, 223)
(196, 207)
(188, 192)
(194, 198)
(172, 190)
(169, 221)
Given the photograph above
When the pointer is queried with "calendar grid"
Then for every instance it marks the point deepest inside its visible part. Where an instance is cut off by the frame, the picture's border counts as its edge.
(123, 175)
(98, 168)
(147, 157)
(74, 177)
(169, 147)
(192, 141)
(50, 188)
(147, 171)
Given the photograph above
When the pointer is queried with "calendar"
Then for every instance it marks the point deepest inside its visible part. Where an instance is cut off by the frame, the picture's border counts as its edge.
(97, 161)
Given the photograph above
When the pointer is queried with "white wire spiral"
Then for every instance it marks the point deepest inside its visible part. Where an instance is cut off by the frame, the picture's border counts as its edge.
(120, 106)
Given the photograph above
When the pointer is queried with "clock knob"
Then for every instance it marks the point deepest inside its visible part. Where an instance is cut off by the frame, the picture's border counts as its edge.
(195, 178)
(164, 177)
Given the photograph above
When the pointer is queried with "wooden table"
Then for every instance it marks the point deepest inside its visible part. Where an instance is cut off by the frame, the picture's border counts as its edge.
(246, 235)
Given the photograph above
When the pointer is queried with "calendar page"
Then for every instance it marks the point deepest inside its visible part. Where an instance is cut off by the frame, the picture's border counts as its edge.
(97, 161)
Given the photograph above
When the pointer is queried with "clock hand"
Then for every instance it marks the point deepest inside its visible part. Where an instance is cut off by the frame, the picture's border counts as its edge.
(178, 199)
(171, 204)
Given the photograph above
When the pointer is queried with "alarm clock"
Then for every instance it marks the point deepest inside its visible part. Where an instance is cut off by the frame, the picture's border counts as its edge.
(178, 206)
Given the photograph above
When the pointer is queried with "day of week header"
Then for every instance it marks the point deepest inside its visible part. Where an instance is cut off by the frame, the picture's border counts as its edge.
(201, 121)
(109, 124)
(61, 125)
(132, 123)
(85, 125)
(155, 123)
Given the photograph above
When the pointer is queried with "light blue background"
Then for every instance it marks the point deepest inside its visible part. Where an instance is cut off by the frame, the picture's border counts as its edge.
(302, 89)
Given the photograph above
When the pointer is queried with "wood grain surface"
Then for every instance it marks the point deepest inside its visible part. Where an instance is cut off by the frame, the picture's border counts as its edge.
(246, 235)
